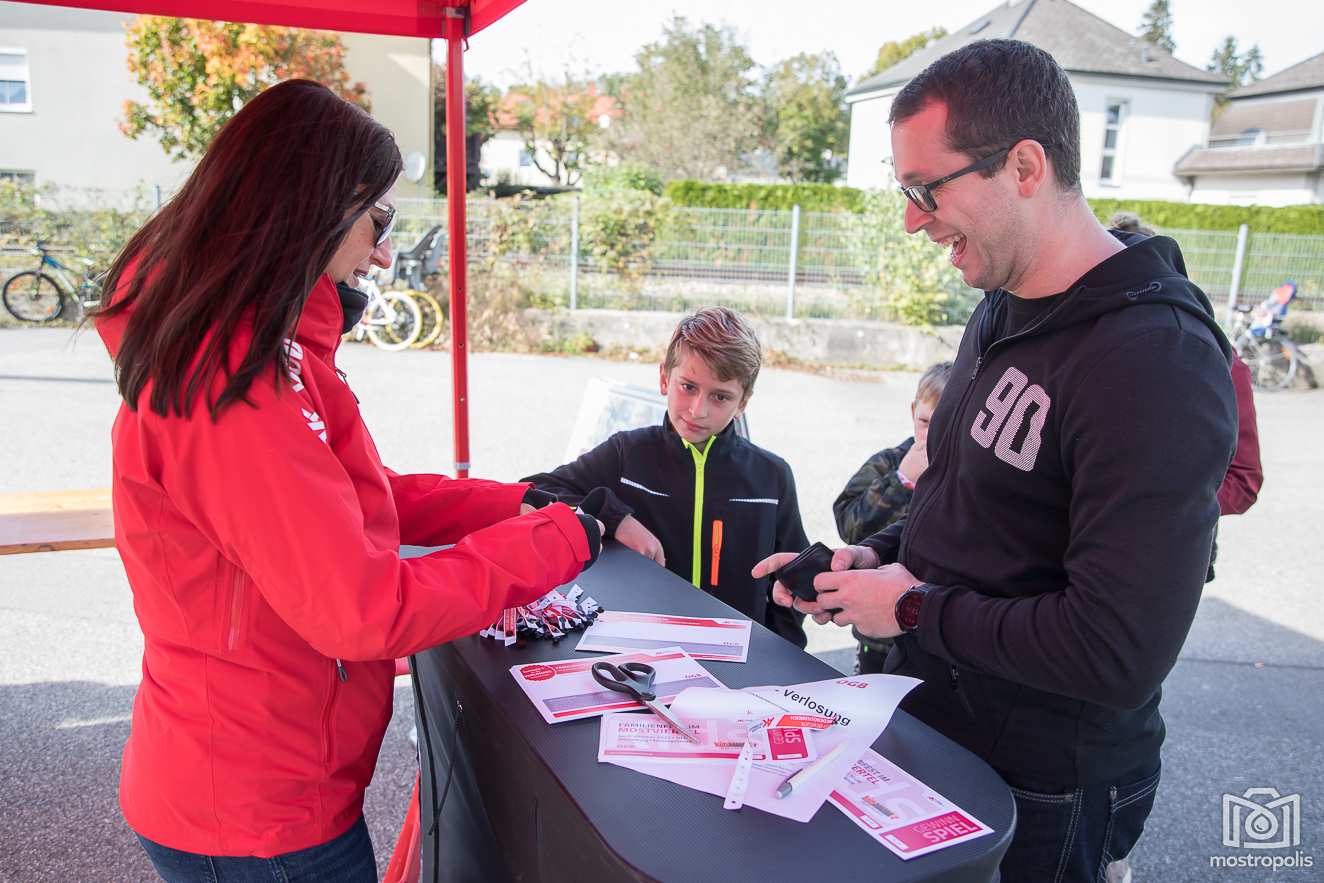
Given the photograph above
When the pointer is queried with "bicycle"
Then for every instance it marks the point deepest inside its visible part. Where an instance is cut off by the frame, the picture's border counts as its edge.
(1258, 337)
(434, 319)
(44, 294)
(392, 320)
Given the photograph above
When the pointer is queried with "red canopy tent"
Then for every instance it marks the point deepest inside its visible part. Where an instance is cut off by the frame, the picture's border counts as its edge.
(452, 20)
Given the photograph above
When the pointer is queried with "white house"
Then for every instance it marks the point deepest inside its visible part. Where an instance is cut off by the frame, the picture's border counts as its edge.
(64, 81)
(1141, 109)
(1266, 147)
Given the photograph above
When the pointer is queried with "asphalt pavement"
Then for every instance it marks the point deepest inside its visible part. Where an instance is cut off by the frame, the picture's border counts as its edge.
(1243, 704)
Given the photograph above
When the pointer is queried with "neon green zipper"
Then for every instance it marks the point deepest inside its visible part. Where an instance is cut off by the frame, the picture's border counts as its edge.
(700, 459)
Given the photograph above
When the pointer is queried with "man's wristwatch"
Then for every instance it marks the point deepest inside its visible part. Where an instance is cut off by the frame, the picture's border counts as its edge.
(908, 607)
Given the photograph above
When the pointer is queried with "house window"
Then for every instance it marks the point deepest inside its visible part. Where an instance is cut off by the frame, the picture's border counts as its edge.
(1110, 171)
(15, 86)
(525, 159)
(16, 176)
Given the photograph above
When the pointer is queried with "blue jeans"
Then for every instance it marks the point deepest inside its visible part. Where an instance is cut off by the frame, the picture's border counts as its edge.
(1073, 834)
(346, 859)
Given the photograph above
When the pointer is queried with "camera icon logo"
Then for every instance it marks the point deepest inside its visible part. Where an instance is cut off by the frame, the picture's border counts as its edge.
(1261, 818)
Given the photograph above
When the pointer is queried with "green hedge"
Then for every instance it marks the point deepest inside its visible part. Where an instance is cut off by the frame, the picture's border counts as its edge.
(772, 197)
(1303, 219)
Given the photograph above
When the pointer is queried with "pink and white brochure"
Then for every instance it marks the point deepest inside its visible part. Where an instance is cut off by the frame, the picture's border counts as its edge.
(566, 691)
(901, 812)
(787, 729)
(703, 637)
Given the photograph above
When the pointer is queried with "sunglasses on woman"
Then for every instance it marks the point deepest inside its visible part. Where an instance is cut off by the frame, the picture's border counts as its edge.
(382, 227)
(922, 194)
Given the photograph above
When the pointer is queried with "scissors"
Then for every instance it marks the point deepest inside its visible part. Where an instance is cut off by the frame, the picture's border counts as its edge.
(636, 679)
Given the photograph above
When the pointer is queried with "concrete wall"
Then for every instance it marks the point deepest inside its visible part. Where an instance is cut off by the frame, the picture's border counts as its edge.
(79, 83)
(870, 144)
(398, 74)
(1297, 188)
(1162, 123)
(841, 342)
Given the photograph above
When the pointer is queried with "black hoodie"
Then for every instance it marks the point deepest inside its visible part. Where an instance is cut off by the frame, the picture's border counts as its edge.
(1065, 520)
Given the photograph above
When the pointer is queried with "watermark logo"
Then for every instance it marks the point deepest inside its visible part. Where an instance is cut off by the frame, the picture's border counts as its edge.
(1261, 818)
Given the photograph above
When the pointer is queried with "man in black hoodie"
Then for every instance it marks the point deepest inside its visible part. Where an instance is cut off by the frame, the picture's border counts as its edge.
(1055, 549)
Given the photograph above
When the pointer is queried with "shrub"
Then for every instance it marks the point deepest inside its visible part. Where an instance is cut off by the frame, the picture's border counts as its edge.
(624, 176)
(916, 283)
(619, 227)
(29, 213)
(778, 197)
(1299, 219)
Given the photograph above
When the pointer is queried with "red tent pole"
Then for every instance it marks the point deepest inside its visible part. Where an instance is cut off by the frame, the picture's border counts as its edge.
(456, 181)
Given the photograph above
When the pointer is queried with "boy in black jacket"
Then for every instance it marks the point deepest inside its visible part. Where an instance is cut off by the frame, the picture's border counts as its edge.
(1053, 557)
(691, 494)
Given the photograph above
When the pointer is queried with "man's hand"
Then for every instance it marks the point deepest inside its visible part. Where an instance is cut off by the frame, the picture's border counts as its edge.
(865, 599)
(525, 509)
(633, 535)
(915, 461)
(845, 558)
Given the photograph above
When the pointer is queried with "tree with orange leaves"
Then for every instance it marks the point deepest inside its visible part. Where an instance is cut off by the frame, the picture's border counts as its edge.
(561, 124)
(197, 73)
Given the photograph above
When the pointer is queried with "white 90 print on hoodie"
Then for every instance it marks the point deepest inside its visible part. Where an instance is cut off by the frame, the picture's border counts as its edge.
(1004, 413)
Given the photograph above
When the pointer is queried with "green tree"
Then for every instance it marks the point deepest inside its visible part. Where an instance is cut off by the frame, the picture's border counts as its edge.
(893, 52)
(1156, 26)
(1238, 67)
(197, 73)
(559, 123)
(480, 103)
(808, 125)
(1241, 68)
(691, 108)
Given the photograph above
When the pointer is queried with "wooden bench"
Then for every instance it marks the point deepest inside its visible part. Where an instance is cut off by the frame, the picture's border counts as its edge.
(52, 521)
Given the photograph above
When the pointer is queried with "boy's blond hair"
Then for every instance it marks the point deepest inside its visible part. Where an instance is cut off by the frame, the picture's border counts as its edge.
(724, 340)
(932, 382)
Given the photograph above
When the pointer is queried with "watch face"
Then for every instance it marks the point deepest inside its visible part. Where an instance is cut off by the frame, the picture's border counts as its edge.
(907, 609)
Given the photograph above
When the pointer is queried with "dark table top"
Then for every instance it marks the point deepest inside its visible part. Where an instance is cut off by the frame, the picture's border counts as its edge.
(669, 832)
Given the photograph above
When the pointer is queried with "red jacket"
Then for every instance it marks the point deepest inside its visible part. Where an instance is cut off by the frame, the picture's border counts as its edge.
(262, 550)
(1244, 476)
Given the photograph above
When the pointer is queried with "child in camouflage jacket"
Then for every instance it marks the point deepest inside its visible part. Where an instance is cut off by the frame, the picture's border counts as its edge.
(879, 492)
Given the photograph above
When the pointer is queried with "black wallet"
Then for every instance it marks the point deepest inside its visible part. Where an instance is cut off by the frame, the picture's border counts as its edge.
(798, 575)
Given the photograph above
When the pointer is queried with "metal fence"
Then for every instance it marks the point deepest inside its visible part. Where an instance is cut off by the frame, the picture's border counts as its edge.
(788, 263)
(802, 264)
(775, 263)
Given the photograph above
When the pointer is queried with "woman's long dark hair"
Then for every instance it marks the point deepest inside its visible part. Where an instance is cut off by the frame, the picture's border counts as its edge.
(245, 240)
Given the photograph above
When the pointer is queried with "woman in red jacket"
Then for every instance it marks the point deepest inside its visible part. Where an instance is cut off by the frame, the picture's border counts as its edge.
(257, 524)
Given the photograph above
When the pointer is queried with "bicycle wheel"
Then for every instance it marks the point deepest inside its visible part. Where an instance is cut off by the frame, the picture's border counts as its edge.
(1272, 365)
(398, 325)
(434, 320)
(1275, 366)
(32, 296)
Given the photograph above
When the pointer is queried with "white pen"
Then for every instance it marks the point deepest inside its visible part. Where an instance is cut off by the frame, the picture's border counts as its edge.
(798, 778)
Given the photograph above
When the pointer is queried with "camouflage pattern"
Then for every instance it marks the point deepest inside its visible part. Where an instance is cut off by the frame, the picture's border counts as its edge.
(874, 497)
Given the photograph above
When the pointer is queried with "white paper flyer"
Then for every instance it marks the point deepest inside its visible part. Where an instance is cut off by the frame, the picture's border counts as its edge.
(858, 708)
